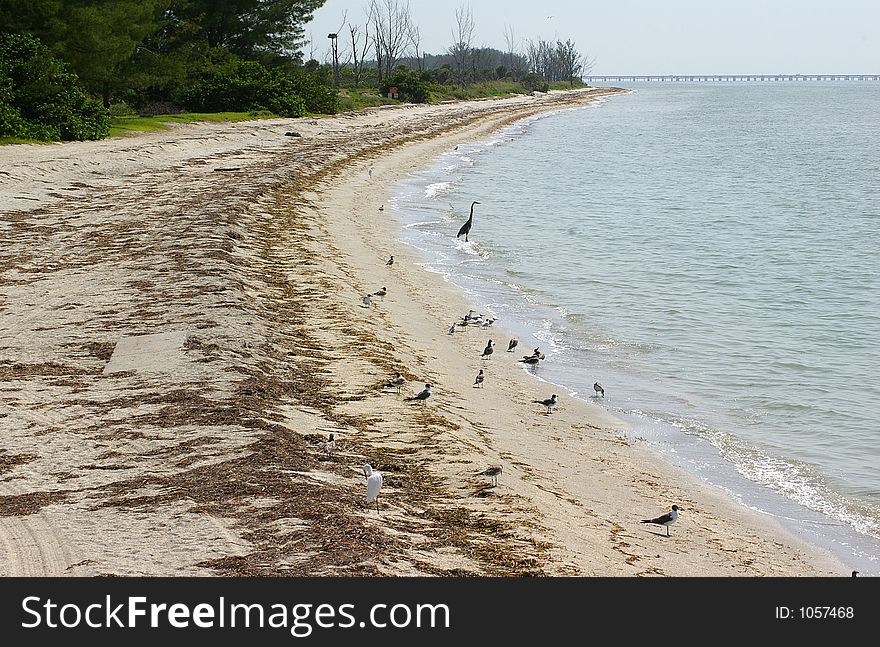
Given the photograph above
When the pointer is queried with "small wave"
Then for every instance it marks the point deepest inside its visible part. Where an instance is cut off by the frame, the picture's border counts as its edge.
(437, 188)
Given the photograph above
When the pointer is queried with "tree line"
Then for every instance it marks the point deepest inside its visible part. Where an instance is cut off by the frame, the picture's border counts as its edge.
(65, 64)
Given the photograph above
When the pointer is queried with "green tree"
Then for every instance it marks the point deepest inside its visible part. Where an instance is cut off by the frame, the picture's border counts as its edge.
(252, 29)
(40, 97)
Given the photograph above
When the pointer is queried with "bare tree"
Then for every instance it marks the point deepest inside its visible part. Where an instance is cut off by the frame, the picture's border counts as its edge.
(334, 48)
(513, 56)
(415, 39)
(391, 21)
(359, 50)
(463, 38)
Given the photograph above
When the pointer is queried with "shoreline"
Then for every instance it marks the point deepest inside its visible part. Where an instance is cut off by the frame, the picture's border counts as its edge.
(207, 439)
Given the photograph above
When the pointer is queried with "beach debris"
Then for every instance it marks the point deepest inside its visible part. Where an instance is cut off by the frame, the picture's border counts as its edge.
(452, 328)
(381, 207)
(228, 168)
(549, 402)
(478, 381)
(390, 262)
(493, 472)
(292, 133)
(466, 227)
(487, 352)
(396, 382)
(381, 293)
(374, 484)
(422, 395)
(368, 301)
(511, 345)
(665, 519)
(599, 389)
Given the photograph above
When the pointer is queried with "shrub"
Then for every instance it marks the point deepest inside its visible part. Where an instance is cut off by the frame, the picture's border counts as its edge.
(241, 86)
(40, 97)
(410, 86)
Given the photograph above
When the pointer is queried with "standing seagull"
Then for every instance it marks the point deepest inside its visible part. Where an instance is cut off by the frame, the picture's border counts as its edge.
(478, 381)
(466, 227)
(452, 328)
(390, 261)
(330, 444)
(487, 352)
(422, 395)
(549, 402)
(367, 301)
(494, 472)
(531, 359)
(381, 293)
(511, 345)
(397, 382)
(370, 171)
(665, 519)
(374, 484)
(598, 389)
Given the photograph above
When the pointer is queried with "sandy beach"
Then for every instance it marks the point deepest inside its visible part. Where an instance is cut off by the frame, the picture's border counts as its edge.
(181, 327)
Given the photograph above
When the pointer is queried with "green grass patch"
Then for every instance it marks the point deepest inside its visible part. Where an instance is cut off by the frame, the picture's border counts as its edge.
(21, 140)
(126, 125)
(359, 98)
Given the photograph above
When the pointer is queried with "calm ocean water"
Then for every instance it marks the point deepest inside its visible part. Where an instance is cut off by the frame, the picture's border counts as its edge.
(709, 253)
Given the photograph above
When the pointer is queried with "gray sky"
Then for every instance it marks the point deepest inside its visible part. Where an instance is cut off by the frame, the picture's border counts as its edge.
(657, 36)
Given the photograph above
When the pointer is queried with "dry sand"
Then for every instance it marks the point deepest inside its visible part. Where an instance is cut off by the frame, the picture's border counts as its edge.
(177, 340)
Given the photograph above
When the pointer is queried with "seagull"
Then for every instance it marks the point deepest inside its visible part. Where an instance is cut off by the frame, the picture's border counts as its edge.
(598, 389)
(390, 261)
(368, 301)
(381, 293)
(471, 316)
(370, 171)
(466, 227)
(330, 444)
(478, 382)
(665, 519)
(397, 382)
(487, 352)
(494, 472)
(452, 328)
(374, 484)
(855, 573)
(422, 395)
(511, 345)
(381, 207)
(531, 359)
(487, 322)
(549, 402)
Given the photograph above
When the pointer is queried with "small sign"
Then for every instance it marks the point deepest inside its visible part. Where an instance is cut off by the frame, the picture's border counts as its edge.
(392, 92)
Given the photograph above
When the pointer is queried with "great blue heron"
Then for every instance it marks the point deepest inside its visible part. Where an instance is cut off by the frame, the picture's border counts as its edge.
(466, 227)
(665, 519)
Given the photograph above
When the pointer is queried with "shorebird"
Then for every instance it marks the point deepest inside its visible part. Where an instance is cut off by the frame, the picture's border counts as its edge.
(487, 352)
(494, 472)
(598, 389)
(390, 261)
(452, 328)
(368, 300)
(478, 381)
(370, 171)
(374, 484)
(422, 395)
(549, 402)
(381, 207)
(665, 519)
(466, 227)
(381, 293)
(471, 316)
(511, 345)
(530, 359)
(330, 444)
(855, 573)
(396, 382)
(487, 322)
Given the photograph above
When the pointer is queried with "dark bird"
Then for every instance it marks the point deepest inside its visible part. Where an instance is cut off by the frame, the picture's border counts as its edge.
(549, 402)
(487, 352)
(511, 345)
(396, 382)
(330, 444)
(855, 573)
(368, 300)
(381, 293)
(478, 381)
(494, 472)
(381, 207)
(390, 261)
(531, 359)
(598, 389)
(466, 227)
(422, 395)
(665, 519)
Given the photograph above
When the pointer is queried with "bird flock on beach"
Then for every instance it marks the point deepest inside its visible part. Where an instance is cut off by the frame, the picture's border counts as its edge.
(472, 319)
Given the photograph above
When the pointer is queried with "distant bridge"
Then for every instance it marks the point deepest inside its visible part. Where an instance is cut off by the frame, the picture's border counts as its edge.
(605, 78)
